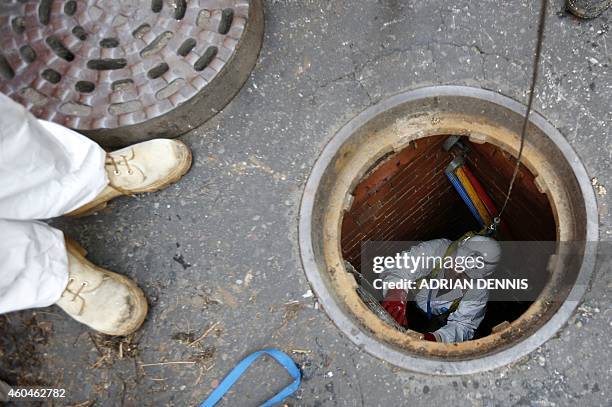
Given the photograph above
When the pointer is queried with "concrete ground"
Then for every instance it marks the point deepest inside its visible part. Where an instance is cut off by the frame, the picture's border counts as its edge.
(219, 249)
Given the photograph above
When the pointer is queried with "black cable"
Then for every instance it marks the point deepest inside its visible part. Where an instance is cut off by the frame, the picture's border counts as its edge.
(534, 79)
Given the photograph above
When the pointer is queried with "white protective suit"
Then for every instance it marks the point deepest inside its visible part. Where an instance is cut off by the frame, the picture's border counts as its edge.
(46, 170)
(463, 322)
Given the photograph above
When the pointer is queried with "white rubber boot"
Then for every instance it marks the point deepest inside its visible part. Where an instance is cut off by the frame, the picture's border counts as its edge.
(105, 301)
(143, 167)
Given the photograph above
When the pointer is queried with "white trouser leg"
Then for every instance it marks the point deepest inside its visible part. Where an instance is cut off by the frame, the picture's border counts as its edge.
(33, 265)
(46, 170)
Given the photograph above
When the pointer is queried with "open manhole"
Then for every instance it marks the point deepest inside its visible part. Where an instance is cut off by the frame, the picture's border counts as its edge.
(127, 71)
(381, 178)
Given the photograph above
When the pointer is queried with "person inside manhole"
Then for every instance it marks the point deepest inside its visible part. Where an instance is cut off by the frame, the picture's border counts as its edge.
(47, 170)
(444, 315)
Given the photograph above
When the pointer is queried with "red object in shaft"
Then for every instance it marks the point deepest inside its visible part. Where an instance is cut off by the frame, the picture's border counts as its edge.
(482, 194)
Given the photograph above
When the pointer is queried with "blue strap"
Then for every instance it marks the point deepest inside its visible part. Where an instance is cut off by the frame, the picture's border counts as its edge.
(244, 364)
(429, 303)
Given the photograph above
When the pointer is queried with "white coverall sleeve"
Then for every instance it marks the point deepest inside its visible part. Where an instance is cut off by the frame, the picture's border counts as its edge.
(463, 322)
(430, 248)
(33, 265)
(46, 169)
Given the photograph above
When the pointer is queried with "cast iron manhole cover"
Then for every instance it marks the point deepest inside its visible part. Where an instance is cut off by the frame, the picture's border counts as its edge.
(123, 71)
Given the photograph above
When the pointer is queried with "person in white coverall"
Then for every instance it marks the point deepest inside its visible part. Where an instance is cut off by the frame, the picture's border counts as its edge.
(453, 315)
(47, 170)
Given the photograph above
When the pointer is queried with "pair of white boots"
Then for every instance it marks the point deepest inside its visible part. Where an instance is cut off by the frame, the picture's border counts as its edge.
(105, 301)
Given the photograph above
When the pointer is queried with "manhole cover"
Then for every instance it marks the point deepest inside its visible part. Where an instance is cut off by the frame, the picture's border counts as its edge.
(382, 178)
(125, 71)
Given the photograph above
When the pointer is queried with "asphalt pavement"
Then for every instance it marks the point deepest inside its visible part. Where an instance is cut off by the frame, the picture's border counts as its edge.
(219, 249)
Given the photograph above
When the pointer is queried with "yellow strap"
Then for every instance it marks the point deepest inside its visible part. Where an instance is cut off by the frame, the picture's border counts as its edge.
(454, 305)
(469, 188)
(451, 249)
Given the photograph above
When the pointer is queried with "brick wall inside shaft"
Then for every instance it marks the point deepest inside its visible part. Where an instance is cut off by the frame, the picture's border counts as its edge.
(528, 215)
(407, 196)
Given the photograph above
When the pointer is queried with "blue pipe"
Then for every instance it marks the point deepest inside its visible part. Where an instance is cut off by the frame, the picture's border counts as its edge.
(455, 181)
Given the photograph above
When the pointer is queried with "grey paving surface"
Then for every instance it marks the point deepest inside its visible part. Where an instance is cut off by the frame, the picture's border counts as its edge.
(220, 246)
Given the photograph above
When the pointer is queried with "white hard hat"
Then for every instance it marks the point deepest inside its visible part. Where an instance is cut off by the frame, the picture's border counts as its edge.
(486, 247)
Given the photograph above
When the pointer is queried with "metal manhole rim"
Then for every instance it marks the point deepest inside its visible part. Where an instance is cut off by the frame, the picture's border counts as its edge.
(386, 351)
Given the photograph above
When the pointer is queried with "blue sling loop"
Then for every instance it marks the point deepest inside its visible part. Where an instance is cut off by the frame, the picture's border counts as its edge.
(244, 364)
